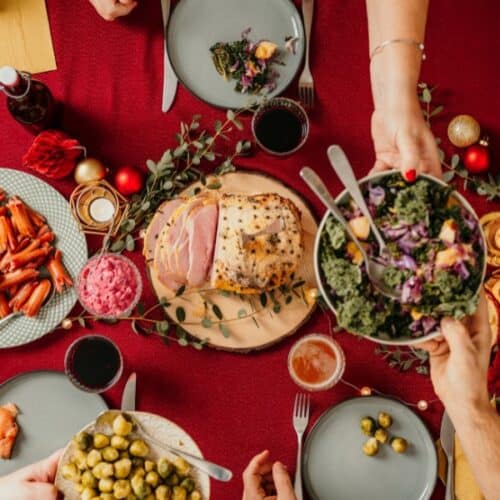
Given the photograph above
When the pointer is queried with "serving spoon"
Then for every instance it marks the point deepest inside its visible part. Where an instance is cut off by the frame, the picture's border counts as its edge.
(104, 424)
(374, 269)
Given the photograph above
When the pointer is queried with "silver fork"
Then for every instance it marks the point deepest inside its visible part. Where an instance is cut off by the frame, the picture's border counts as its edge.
(300, 421)
(306, 83)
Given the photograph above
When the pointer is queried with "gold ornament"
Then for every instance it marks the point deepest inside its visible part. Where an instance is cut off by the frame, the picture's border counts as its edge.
(66, 324)
(463, 131)
(89, 170)
(365, 391)
(422, 405)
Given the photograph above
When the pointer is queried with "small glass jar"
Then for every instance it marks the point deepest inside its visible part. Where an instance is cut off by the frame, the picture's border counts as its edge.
(316, 362)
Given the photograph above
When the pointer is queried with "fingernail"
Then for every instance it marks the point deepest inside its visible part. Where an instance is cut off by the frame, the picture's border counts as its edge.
(411, 175)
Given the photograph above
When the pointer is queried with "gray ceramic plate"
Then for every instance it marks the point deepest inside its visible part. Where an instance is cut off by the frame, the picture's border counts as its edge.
(195, 25)
(69, 239)
(336, 467)
(51, 411)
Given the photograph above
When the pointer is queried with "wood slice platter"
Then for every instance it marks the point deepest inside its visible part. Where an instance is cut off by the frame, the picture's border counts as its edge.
(246, 323)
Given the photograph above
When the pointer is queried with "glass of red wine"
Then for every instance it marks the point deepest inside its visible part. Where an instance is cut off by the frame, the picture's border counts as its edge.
(280, 126)
(93, 363)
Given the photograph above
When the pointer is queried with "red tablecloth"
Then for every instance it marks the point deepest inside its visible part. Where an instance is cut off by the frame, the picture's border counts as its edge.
(110, 77)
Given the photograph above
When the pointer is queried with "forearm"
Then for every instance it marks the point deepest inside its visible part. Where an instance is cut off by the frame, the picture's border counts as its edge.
(478, 430)
(395, 70)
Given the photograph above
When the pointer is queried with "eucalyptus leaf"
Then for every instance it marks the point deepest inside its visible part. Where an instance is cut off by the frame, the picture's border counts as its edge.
(216, 310)
(129, 243)
(242, 313)
(225, 330)
(206, 323)
(117, 246)
(152, 166)
(426, 96)
(455, 160)
(448, 176)
(230, 115)
(180, 314)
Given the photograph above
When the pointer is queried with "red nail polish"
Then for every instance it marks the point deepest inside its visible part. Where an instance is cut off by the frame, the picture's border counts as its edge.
(411, 175)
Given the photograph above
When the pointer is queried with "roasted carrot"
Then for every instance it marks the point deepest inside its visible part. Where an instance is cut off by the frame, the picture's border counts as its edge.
(47, 237)
(23, 294)
(4, 306)
(16, 277)
(23, 258)
(6, 262)
(58, 273)
(8, 240)
(33, 305)
(20, 217)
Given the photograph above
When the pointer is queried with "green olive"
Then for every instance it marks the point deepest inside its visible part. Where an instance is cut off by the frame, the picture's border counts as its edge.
(100, 440)
(110, 454)
(88, 480)
(71, 472)
(384, 420)
(183, 468)
(188, 484)
(93, 458)
(120, 443)
(140, 487)
(121, 426)
(122, 488)
(165, 467)
(122, 468)
(103, 470)
(83, 440)
(152, 478)
(179, 493)
(138, 448)
(370, 448)
(106, 485)
(79, 458)
(382, 436)
(163, 492)
(368, 426)
(195, 495)
(88, 494)
(173, 479)
(399, 444)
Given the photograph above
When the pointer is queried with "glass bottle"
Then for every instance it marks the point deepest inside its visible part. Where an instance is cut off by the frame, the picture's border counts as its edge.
(29, 101)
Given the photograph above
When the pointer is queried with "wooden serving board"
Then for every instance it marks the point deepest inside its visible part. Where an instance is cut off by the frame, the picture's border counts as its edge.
(260, 327)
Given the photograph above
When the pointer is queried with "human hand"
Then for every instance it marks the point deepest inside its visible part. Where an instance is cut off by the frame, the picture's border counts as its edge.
(32, 482)
(402, 140)
(111, 9)
(263, 480)
(459, 362)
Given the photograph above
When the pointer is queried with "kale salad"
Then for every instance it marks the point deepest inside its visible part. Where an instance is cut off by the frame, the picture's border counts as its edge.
(435, 258)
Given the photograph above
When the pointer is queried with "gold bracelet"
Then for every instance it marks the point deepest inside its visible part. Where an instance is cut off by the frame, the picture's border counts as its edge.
(419, 45)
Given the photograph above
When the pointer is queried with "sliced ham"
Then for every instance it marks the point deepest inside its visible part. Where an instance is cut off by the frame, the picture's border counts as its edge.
(8, 429)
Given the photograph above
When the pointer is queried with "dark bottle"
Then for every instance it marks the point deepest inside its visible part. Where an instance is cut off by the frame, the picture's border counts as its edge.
(29, 101)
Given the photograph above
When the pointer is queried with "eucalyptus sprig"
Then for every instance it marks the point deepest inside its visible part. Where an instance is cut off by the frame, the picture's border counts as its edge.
(405, 359)
(179, 167)
(488, 186)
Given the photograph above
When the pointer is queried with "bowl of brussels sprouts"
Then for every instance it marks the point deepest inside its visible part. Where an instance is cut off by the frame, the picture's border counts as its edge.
(122, 463)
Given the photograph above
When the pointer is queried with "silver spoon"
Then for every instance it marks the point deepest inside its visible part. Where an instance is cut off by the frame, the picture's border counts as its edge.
(374, 270)
(104, 423)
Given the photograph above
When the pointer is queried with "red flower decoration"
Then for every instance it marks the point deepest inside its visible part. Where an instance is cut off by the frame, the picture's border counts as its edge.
(53, 154)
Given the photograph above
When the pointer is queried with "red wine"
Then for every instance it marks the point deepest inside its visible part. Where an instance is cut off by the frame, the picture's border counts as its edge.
(93, 363)
(280, 129)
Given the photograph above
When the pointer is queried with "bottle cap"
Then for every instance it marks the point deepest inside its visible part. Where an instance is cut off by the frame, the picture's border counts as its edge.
(8, 76)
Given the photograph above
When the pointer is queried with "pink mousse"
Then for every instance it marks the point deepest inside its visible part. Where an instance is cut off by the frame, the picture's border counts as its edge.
(108, 286)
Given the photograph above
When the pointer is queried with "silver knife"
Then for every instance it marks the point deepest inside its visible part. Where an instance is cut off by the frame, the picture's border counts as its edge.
(169, 76)
(128, 396)
(447, 438)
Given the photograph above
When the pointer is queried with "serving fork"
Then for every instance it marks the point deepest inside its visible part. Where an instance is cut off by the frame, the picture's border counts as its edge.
(306, 83)
(300, 421)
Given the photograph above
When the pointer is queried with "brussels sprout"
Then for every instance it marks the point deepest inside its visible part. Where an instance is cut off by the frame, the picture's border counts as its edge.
(140, 487)
(93, 458)
(121, 426)
(83, 440)
(165, 467)
(188, 484)
(152, 478)
(122, 489)
(120, 443)
(71, 472)
(368, 426)
(195, 495)
(370, 448)
(100, 440)
(106, 485)
(183, 468)
(79, 458)
(110, 454)
(163, 492)
(399, 444)
(149, 465)
(88, 494)
(138, 448)
(382, 436)
(179, 493)
(103, 470)
(88, 480)
(122, 468)
(384, 420)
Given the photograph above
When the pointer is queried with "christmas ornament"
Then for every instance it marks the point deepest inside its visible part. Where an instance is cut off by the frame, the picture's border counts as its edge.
(463, 131)
(477, 157)
(89, 170)
(53, 154)
(98, 207)
(129, 180)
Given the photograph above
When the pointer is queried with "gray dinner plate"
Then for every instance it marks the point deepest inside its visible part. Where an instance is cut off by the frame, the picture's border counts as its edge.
(195, 25)
(335, 466)
(51, 411)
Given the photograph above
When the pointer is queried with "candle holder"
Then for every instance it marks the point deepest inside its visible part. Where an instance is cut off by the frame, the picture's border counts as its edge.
(98, 208)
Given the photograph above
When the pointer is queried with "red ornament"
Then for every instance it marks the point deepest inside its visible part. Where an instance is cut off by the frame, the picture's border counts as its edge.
(477, 157)
(129, 180)
(53, 154)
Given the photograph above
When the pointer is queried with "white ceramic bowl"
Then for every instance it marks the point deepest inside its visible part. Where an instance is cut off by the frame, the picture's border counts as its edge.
(342, 197)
